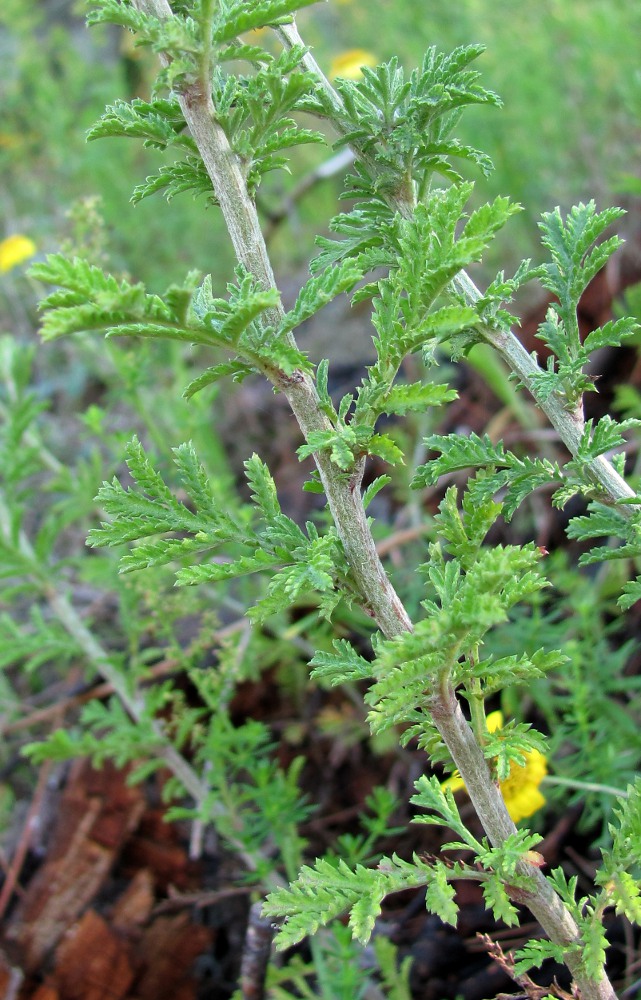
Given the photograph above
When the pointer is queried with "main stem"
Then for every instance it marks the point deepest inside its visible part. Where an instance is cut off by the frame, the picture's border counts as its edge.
(344, 499)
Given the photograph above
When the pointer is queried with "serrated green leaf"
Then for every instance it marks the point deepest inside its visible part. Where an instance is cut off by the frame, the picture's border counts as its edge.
(387, 449)
(611, 334)
(458, 452)
(240, 16)
(535, 953)
(631, 594)
(318, 291)
(499, 902)
(417, 397)
(246, 310)
(343, 665)
(440, 896)
(262, 483)
(569, 240)
(594, 942)
(340, 444)
(215, 572)
(158, 123)
(603, 436)
(176, 178)
(237, 369)
(91, 300)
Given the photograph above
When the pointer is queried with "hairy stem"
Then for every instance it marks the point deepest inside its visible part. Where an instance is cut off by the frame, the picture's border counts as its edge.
(541, 899)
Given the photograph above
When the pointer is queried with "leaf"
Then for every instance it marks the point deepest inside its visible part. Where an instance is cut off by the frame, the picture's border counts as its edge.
(499, 902)
(387, 449)
(440, 896)
(417, 397)
(239, 16)
(501, 673)
(458, 452)
(238, 369)
(264, 493)
(521, 476)
(631, 594)
(599, 522)
(149, 508)
(442, 810)
(196, 482)
(322, 892)
(341, 666)
(569, 240)
(611, 334)
(159, 123)
(602, 437)
(339, 442)
(177, 178)
(87, 300)
(214, 572)
(246, 309)
(318, 291)
(594, 942)
(535, 953)
(374, 488)
(406, 124)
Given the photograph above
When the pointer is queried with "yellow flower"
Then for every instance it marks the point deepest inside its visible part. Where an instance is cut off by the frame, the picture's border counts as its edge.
(14, 250)
(348, 64)
(521, 787)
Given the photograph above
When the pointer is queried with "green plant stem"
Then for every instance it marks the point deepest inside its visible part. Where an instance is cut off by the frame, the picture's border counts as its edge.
(585, 786)
(344, 500)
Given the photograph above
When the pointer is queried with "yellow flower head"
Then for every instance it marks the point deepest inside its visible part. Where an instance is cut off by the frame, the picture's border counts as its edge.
(520, 789)
(348, 64)
(14, 250)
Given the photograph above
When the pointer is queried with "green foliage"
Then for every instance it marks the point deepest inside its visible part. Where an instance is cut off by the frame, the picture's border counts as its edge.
(590, 707)
(502, 471)
(619, 872)
(409, 123)
(313, 561)
(575, 261)
(324, 891)
(255, 113)
(254, 110)
(317, 292)
(89, 300)
(395, 980)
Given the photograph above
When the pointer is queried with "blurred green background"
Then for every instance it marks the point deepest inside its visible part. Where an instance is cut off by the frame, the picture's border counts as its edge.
(568, 73)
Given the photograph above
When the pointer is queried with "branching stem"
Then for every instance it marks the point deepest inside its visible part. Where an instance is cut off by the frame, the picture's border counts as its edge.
(345, 503)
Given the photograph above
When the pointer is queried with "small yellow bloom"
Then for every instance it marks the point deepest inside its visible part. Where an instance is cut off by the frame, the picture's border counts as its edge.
(348, 64)
(521, 787)
(494, 721)
(15, 250)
